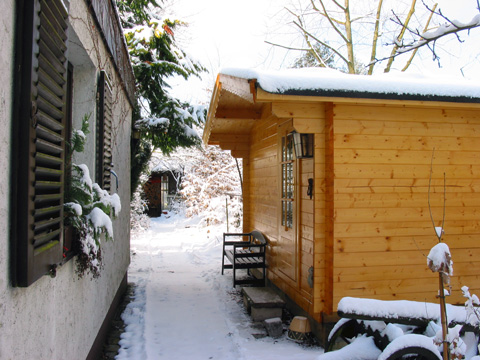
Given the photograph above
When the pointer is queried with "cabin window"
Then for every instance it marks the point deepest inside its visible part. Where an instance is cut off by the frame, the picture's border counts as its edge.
(287, 181)
(39, 134)
(104, 132)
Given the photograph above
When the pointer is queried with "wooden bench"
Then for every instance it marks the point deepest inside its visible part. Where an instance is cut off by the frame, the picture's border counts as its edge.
(245, 251)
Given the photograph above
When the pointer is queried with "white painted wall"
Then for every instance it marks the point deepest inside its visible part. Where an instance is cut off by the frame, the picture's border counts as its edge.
(59, 318)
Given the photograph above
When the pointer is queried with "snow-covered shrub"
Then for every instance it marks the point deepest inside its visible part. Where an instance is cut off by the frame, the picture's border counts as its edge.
(139, 220)
(210, 179)
(209, 183)
(88, 208)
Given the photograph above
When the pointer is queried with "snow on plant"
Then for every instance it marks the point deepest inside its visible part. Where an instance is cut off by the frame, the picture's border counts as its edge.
(139, 220)
(471, 306)
(209, 182)
(88, 209)
(457, 346)
(440, 260)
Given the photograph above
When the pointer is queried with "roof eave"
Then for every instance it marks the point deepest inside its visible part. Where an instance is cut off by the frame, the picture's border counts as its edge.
(364, 97)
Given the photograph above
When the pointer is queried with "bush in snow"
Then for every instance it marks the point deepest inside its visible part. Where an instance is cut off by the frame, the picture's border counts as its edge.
(88, 209)
(139, 220)
(210, 180)
(210, 184)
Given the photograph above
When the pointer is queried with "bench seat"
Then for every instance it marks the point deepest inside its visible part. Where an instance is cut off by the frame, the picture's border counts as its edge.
(245, 251)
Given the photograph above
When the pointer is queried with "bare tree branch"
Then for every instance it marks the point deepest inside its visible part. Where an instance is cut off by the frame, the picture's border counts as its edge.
(307, 40)
(349, 42)
(427, 24)
(324, 13)
(332, 23)
(323, 43)
(287, 47)
(400, 36)
(375, 38)
(429, 38)
(339, 5)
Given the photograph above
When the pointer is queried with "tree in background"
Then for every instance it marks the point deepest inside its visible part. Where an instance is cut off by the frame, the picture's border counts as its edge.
(353, 32)
(160, 121)
(318, 56)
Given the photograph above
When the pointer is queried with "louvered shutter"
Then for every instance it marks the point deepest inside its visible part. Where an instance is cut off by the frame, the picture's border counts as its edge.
(104, 132)
(40, 127)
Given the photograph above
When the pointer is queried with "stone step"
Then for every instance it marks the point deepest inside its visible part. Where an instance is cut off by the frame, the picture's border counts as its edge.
(262, 303)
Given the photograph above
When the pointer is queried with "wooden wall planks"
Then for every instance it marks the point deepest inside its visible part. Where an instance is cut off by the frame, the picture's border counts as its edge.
(383, 230)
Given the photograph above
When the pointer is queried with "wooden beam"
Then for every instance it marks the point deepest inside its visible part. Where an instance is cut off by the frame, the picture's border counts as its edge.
(230, 138)
(310, 126)
(237, 113)
(306, 110)
(234, 145)
(238, 86)
(263, 96)
(240, 154)
(329, 206)
(211, 111)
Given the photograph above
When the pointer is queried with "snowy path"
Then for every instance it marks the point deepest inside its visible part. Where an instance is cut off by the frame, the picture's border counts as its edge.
(184, 308)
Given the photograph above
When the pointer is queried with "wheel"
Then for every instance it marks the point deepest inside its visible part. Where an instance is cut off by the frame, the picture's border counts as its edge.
(342, 334)
(413, 353)
(411, 347)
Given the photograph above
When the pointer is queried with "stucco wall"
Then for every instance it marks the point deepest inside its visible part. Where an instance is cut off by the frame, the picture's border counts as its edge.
(59, 318)
(6, 44)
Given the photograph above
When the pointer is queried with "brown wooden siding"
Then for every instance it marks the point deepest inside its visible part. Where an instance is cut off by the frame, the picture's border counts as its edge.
(382, 231)
(264, 209)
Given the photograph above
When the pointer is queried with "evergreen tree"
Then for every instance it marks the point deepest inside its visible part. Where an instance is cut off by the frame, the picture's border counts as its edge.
(162, 121)
(310, 58)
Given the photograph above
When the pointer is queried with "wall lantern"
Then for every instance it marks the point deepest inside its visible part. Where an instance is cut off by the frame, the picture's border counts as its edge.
(303, 144)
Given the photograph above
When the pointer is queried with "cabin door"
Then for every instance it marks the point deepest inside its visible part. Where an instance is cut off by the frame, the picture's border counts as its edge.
(287, 248)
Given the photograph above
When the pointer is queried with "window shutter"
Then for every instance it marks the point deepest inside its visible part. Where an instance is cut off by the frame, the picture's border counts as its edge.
(40, 131)
(104, 132)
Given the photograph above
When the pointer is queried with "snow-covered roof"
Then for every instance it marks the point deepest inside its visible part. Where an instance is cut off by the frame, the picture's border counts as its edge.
(333, 83)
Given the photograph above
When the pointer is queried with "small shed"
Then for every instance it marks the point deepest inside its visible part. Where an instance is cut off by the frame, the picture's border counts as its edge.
(349, 216)
(160, 189)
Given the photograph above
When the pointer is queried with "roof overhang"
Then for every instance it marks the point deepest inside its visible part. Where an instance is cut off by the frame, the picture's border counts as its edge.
(232, 113)
(240, 95)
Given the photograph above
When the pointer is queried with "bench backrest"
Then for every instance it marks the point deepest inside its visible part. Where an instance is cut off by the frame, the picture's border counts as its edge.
(258, 237)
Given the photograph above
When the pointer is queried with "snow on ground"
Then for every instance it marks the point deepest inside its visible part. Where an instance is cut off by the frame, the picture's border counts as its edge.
(184, 308)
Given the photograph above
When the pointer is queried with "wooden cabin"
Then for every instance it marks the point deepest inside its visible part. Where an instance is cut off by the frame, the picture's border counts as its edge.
(363, 227)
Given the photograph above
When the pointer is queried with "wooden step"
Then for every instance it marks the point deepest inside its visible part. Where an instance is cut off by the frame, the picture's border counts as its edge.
(262, 303)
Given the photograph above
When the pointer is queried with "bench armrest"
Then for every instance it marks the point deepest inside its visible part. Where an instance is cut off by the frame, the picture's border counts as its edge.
(237, 234)
(247, 245)
(238, 242)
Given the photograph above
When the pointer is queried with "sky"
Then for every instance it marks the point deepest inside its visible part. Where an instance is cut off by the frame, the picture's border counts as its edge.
(232, 33)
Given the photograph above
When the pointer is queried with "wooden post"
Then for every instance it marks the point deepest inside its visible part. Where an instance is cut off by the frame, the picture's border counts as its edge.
(226, 210)
(443, 317)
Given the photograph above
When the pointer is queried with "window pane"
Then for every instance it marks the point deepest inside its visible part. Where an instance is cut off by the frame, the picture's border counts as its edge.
(289, 181)
(289, 214)
(289, 149)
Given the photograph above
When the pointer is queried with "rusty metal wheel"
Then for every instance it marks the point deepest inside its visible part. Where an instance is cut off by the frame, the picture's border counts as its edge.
(413, 353)
(343, 334)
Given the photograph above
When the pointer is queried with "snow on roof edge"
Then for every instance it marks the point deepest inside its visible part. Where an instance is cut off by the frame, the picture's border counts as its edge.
(333, 83)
